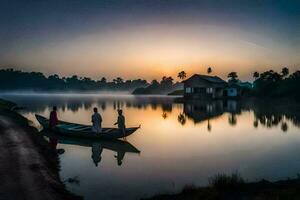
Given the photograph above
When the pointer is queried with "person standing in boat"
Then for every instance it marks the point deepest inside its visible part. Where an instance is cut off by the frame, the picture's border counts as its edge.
(96, 120)
(53, 120)
(121, 121)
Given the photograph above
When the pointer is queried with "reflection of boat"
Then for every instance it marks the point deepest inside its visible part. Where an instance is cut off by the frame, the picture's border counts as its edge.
(113, 145)
(97, 145)
(85, 131)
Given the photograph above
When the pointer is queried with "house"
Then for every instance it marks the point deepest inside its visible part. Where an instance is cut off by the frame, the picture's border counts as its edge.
(203, 86)
(236, 89)
(233, 90)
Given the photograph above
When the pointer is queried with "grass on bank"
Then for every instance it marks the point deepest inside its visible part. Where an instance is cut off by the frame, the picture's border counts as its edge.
(227, 182)
(228, 187)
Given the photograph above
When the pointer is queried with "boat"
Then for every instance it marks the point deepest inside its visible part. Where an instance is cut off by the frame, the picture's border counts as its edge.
(85, 131)
(113, 145)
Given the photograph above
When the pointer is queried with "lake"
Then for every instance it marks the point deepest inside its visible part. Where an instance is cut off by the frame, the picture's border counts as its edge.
(179, 143)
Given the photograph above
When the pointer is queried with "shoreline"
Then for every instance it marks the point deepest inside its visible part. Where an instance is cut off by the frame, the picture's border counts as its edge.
(234, 187)
(29, 165)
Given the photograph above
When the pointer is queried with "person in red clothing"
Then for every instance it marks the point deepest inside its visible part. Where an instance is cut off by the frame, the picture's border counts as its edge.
(53, 121)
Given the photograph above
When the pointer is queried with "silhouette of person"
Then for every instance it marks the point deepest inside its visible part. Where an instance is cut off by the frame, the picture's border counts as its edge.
(53, 143)
(96, 120)
(53, 120)
(121, 121)
(120, 156)
(96, 153)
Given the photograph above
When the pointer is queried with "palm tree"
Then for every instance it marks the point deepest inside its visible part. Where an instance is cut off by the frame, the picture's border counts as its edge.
(209, 70)
(154, 82)
(181, 75)
(232, 76)
(256, 75)
(285, 71)
(181, 119)
(103, 80)
(118, 80)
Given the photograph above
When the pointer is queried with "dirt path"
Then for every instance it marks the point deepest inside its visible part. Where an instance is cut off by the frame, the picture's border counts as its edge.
(24, 171)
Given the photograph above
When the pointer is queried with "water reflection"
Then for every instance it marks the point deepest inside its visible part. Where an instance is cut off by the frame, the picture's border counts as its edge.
(243, 135)
(120, 147)
(96, 153)
(201, 111)
(265, 115)
(268, 115)
(182, 119)
(39, 103)
(164, 115)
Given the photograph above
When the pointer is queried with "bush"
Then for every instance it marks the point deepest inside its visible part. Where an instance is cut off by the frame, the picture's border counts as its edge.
(225, 182)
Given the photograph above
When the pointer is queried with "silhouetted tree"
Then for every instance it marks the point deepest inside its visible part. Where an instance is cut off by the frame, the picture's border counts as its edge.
(154, 82)
(209, 70)
(285, 71)
(17, 80)
(166, 82)
(181, 75)
(295, 75)
(256, 75)
(232, 77)
(118, 80)
(103, 80)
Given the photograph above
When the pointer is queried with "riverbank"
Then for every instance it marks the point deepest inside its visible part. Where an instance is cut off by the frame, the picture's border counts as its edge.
(234, 187)
(29, 166)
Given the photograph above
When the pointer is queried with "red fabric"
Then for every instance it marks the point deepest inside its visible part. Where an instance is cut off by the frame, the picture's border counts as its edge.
(53, 121)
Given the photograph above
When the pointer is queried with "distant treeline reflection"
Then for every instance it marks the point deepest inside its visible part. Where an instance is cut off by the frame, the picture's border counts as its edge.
(270, 115)
(264, 115)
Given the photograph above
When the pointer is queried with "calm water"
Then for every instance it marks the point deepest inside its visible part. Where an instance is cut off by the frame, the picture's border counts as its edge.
(179, 143)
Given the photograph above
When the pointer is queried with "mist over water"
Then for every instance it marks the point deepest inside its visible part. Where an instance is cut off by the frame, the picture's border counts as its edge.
(179, 143)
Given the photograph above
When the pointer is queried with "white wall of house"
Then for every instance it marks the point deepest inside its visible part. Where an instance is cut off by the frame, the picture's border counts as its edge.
(232, 92)
(188, 90)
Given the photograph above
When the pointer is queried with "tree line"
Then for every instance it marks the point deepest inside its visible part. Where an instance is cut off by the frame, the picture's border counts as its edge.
(16, 80)
(269, 83)
(12, 80)
(273, 84)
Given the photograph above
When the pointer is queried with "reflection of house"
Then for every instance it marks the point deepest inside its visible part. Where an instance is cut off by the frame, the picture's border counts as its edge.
(205, 110)
(202, 86)
(202, 111)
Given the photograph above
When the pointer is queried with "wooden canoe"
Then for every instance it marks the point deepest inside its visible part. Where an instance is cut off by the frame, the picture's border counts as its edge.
(85, 131)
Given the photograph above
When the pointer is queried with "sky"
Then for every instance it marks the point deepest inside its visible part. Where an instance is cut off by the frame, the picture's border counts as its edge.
(149, 38)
